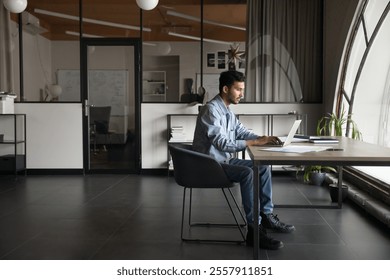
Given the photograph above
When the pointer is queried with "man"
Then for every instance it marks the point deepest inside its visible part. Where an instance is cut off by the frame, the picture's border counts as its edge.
(220, 134)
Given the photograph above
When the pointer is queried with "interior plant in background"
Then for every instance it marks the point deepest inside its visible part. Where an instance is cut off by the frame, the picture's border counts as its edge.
(333, 125)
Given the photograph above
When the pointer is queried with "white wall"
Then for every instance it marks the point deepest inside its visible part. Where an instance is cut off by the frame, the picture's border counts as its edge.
(54, 135)
(37, 66)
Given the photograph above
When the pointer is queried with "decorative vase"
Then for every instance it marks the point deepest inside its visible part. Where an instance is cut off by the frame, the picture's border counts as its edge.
(334, 192)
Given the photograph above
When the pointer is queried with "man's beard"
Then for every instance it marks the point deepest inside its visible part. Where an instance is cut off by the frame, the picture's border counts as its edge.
(235, 100)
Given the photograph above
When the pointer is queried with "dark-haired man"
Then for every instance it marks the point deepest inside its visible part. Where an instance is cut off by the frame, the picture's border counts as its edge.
(220, 134)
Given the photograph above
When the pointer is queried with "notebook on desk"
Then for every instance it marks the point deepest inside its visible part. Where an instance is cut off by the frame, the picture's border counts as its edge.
(324, 140)
(289, 137)
(317, 139)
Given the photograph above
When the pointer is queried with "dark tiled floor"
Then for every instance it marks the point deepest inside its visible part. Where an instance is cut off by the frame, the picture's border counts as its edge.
(138, 217)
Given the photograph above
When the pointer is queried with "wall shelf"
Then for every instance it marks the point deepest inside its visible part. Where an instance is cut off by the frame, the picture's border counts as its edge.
(154, 86)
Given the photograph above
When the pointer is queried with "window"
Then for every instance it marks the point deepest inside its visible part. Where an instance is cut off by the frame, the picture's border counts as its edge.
(365, 90)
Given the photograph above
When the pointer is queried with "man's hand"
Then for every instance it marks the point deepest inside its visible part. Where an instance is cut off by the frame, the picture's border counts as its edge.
(263, 140)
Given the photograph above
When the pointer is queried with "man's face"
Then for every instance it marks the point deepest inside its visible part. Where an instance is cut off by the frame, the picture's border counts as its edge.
(235, 93)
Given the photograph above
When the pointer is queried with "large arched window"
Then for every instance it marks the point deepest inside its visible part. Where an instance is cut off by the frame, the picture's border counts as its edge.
(364, 83)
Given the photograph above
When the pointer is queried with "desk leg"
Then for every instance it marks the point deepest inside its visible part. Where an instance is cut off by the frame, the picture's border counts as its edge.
(340, 186)
(255, 212)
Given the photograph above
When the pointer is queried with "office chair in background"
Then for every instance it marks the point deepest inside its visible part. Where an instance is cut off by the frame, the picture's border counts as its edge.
(99, 119)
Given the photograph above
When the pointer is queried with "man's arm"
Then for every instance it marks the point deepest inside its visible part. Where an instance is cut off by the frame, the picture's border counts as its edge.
(253, 139)
(263, 140)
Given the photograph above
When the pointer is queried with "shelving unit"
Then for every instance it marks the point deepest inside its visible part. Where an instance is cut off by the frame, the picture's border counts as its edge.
(13, 143)
(154, 86)
(180, 129)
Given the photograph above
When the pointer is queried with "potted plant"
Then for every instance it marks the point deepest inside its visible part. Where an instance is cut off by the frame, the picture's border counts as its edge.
(315, 174)
(333, 125)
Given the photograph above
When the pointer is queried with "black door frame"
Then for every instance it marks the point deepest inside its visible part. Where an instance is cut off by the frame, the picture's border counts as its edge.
(136, 43)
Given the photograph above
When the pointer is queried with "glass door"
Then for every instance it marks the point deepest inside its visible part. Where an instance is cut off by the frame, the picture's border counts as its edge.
(110, 82)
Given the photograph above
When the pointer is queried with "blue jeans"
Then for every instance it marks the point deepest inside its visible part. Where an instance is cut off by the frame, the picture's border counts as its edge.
(239, 170)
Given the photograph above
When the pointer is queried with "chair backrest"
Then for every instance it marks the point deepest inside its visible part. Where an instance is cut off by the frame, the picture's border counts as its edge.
(100, 118)
(196, 170)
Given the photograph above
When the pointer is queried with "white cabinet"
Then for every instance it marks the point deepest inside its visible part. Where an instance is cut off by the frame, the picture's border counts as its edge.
(154, 86)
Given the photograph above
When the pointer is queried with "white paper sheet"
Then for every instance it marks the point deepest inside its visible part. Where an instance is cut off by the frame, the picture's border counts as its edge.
(297, 149)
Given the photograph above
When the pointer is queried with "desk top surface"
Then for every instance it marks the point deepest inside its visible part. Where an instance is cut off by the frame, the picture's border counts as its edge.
(354, 152)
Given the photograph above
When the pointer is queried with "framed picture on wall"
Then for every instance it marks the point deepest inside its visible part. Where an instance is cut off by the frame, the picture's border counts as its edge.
(221, 60)
(211, 60)
(242, 63)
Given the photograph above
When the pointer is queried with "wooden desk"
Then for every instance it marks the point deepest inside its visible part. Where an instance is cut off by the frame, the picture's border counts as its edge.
(354, 153)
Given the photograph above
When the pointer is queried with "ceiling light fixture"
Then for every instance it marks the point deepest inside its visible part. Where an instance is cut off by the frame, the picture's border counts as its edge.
(149, 44)
(15, 6)
(198, 38)
(73, 33)
(185, 16)
(89, 20)
(84, 34)
(147, 4)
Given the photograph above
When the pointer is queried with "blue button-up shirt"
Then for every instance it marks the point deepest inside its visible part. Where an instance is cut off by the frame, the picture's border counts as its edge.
(218, 132)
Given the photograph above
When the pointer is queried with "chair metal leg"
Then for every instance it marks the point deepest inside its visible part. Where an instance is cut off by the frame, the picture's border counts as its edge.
(218, 224)
(238, 208)
(234, 215)
(182, 213)
(237, 224)
(190, 209)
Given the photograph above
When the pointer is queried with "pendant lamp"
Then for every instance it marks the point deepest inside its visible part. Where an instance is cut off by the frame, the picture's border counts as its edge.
(15, 6)
(147, 4)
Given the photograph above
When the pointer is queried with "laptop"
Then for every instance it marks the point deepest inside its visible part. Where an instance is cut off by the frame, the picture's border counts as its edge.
(289, 137)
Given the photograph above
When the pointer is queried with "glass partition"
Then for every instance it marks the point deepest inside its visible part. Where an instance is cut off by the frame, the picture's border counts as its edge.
(224, 35)
(185, 46)
(51, 42)
(171, 52)
(186, 55)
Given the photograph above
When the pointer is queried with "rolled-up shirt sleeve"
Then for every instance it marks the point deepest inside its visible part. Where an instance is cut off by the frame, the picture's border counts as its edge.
(243, 133)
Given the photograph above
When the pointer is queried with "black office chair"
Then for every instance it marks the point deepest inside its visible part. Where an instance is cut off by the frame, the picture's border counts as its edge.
(99, 119)
(193, 170)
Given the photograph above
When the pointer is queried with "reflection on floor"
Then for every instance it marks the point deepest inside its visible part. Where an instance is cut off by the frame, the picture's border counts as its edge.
(113, 156)
(138, 217)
